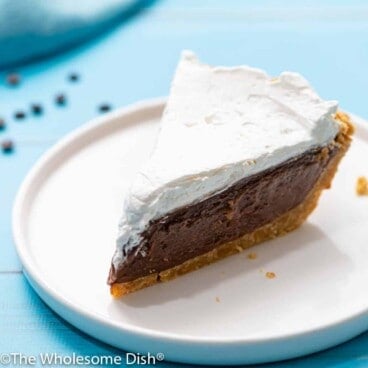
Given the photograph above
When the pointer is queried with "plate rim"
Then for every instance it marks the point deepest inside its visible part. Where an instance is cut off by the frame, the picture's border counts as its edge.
(33, 273)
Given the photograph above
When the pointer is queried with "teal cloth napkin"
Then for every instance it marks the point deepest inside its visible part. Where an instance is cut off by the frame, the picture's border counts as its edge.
(30, 29)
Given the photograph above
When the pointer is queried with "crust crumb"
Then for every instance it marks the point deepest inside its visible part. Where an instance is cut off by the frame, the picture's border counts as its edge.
(270, 275)
(239, 248)
(362, 186)
(275, 80)
(217, 299)
(252, 256)
(345, 118)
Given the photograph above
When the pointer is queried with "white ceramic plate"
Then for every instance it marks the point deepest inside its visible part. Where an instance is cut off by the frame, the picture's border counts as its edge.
(65, 222)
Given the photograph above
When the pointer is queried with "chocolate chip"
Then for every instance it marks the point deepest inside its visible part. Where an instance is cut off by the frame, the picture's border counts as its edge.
(37, 109)
(104, 107)
(7, 146)
(13, 79)
(60, 99)
(2, 124)
(73, 77)
(19, 115)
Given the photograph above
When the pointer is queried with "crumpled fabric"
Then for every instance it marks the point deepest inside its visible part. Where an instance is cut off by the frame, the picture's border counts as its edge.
(30, 29)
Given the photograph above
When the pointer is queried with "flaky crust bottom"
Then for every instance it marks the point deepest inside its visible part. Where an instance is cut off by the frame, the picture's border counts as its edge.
(280, 226)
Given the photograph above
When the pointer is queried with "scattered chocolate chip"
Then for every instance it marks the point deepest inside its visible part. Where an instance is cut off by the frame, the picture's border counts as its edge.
(7, 146)
(60, 99)
(13, 79)
(104, 107)
(19, 115)
(37, 109)
(2, 124)
(73, 77)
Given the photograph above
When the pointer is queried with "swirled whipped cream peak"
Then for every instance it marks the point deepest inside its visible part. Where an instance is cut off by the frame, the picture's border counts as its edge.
(221, 125)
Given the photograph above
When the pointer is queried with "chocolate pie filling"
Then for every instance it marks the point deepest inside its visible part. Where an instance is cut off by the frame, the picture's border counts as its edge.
(240, 209)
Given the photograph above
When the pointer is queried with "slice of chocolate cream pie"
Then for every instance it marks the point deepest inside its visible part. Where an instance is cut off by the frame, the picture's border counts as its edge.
(241, 158)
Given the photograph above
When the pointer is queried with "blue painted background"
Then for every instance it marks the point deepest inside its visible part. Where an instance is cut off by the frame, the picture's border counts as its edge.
(327, 41)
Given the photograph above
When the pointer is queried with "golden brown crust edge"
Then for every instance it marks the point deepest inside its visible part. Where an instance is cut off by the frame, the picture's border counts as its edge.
(281, 226)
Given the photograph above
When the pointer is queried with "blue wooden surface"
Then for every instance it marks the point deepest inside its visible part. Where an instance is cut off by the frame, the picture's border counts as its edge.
(327, 41)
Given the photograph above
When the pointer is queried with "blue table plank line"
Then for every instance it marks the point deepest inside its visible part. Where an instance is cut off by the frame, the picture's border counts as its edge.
(28, 326)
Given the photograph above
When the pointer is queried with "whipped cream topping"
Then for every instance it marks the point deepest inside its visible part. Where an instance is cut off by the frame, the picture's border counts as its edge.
(221, 124)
